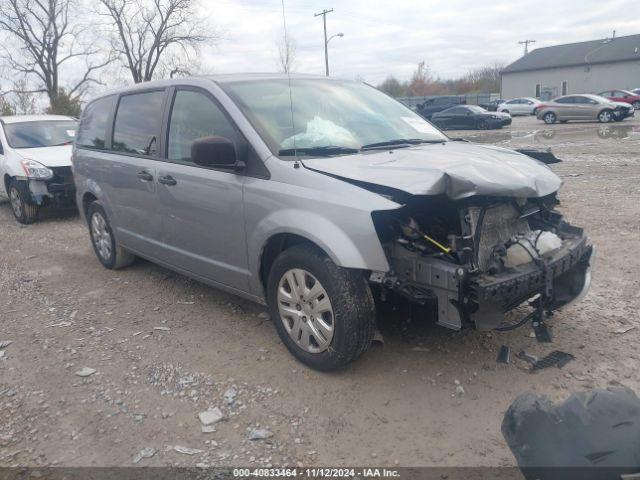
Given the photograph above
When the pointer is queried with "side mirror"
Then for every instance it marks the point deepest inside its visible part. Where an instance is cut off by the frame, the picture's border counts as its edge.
(215, 152)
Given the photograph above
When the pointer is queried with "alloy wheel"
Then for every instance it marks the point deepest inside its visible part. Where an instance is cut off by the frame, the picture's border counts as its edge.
(605, 117)
(16, 202)
(101, 236)
(549, 118)
(305, 310)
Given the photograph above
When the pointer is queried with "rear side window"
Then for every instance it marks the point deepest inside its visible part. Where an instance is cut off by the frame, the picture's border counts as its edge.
(566, 100)
(93, 124)
(194, 115)
(137, 125)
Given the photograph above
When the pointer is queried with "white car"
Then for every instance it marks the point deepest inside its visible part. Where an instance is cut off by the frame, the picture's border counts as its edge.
(35, 163)
(520, 106)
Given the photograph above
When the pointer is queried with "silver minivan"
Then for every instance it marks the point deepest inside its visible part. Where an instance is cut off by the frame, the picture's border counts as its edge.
(321, 198)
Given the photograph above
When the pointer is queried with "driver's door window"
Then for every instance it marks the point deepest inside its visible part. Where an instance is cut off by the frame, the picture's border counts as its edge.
(194, 115)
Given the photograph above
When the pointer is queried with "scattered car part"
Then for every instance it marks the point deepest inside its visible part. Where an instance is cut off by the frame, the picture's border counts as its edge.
(504, 355)
(545, 156)
(554, 359)
(593, 435)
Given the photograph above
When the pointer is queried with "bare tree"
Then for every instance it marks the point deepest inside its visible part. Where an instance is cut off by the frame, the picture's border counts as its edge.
(47, 37)
(287, 54)
(25, 101)
(153, 33)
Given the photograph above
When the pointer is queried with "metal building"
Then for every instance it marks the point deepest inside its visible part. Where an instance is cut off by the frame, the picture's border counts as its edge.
(584, 67)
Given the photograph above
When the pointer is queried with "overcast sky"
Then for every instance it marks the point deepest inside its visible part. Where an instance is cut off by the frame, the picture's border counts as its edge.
(384, 36)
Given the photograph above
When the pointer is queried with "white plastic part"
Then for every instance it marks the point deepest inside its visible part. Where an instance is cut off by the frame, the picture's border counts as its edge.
(524, 252)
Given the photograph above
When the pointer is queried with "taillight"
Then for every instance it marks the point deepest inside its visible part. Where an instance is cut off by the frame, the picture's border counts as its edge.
(541, 106)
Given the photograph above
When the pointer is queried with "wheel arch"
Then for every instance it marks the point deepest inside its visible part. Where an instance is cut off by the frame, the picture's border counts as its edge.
(290, 228)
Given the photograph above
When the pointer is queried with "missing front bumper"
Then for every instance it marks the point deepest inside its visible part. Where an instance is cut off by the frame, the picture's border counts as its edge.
(482, 300)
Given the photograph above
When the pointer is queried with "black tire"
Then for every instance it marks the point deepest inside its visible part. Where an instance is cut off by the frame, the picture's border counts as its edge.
(535, 111)
(117, 257)
(606, 116)
(351, 300)
(549, 118)
(21, 206)
(505, 111)
(482, 125)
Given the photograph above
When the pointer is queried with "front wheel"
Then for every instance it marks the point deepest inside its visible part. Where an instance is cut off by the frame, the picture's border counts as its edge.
(323, 313)
(549, 118)
(605, 116)
(24, 211)
(110, 254)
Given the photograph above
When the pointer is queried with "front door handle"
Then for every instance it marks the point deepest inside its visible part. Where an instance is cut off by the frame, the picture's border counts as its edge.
(145, 176)
(167, 180)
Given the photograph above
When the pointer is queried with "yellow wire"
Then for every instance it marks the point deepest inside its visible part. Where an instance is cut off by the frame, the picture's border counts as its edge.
(437, 244)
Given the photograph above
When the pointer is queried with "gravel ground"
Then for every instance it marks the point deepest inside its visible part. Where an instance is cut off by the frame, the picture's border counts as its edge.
(165, 349)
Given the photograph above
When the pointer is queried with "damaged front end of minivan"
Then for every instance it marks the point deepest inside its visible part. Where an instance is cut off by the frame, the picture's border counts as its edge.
(475, 234)
(476, 259)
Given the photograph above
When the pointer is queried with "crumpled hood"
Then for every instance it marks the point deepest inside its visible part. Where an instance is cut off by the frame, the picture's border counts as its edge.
(456, 169)
(48, 156)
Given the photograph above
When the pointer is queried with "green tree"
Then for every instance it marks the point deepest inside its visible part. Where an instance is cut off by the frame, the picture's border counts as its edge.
(65, 105)
(6, 109)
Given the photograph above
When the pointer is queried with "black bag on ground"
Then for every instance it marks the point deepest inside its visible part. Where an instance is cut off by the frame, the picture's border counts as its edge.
(592, 435)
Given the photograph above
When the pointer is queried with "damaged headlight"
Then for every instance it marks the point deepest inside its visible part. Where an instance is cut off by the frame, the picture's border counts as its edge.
(36, 170)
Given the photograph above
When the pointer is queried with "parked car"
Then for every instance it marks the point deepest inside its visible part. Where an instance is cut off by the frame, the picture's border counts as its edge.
(312, 194)
(520, 106)
(491, 106)
(636, 91)
(469, 117)
(438, 104)
(583, 107)
(35, 163)
(624, 96)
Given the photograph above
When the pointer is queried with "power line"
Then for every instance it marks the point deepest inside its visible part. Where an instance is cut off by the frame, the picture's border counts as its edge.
(326, 47)
(526, 45)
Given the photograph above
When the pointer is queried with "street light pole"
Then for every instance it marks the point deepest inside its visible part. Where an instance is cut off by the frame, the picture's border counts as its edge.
(326, 42)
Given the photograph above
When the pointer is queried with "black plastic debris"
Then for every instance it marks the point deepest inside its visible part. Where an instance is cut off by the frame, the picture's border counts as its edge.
(504, 355)
(592, 435)
(544, 156)
(554, 359)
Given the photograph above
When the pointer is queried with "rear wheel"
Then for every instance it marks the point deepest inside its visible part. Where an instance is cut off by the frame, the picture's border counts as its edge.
(24, 211)
(605, 116)
(482, 125)
(535, 111)
(549, 118)
(323, 313)
(110, 254)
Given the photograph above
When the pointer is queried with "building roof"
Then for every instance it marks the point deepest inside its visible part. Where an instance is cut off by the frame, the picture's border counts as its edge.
(619, 49)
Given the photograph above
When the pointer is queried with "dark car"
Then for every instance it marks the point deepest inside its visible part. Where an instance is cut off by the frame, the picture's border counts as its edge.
(438, 104)
(491, 106)
(470, 117)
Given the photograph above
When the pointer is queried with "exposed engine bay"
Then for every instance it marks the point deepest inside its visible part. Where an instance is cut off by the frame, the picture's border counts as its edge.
(477, 258)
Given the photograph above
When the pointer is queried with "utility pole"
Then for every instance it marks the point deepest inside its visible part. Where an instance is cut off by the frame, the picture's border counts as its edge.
(526, 45)
(326, 48)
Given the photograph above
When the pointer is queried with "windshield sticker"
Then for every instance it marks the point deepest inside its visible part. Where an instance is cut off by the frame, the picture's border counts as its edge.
(418, 124)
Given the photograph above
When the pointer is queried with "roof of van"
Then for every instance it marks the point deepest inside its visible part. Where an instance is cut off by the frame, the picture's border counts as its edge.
(219, 79)
(33, 118)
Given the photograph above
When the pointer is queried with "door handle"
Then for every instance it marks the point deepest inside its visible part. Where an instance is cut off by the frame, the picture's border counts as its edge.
(145, 176)
(167, 180)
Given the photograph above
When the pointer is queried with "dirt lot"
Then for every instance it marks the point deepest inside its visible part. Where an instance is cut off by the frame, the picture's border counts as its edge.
(166, 348)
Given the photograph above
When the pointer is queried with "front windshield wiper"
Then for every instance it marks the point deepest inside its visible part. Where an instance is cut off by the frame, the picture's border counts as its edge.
(399, 142)
(323, 151)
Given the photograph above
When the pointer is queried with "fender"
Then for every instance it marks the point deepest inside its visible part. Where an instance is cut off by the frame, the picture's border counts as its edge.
(359, 249)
